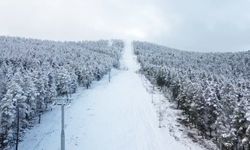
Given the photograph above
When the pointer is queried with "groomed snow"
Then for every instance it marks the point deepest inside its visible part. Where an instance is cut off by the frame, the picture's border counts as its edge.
(109, 116)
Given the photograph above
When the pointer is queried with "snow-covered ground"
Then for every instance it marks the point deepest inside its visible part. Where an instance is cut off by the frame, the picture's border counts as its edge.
(110, 116)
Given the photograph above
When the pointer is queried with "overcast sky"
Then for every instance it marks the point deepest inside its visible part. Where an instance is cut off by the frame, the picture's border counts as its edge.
(200, 25)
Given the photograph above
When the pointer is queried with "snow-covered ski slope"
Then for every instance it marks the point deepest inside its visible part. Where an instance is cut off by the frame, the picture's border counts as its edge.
(109, 116)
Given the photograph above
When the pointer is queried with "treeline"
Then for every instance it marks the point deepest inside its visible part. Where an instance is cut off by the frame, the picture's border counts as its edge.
(34, 72)
(211, 89)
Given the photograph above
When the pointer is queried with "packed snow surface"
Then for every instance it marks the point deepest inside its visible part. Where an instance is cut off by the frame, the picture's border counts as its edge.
(109, 116)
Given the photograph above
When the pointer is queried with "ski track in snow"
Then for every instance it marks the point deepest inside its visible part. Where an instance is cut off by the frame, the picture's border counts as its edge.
(109, 116)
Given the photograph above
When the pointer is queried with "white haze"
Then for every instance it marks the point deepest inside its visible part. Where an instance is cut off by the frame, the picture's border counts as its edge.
(208, 25)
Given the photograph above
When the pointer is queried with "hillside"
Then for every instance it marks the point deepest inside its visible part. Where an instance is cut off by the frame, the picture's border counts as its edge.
(211, 89)
(33, 73)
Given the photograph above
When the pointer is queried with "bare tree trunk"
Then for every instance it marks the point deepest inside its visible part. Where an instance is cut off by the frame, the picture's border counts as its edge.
(17, 131)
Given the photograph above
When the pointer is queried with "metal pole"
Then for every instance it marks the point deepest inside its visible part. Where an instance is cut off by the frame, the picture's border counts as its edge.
(152, 95)
(153, 90)
(17, 129)
(39, 117)
(109, 76)
(152, 98)
(62, 132)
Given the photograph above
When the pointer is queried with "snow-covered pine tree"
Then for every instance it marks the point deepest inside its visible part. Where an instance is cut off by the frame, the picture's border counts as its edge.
(13, 99)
